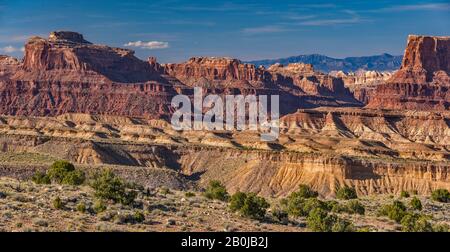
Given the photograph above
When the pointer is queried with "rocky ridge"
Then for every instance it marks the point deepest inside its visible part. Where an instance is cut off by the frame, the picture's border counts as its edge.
(375, 153)
(66, 73)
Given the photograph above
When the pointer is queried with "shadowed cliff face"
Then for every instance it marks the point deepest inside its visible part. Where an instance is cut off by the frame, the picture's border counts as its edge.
(52, 98)
(423, 80)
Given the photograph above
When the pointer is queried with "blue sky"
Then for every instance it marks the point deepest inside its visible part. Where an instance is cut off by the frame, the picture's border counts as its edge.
(175, 30)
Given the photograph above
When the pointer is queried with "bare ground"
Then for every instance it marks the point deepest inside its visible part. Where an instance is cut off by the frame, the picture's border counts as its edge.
(25, 206)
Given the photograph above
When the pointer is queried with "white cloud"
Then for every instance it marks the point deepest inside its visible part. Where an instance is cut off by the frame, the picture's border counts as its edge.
(300, 17)
(263, 29)
(322, 22)
(11, 49)
(416, 7)
(351, 17)
(151, 45)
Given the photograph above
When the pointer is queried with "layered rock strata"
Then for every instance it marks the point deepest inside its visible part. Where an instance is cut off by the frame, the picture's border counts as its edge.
(423, 80)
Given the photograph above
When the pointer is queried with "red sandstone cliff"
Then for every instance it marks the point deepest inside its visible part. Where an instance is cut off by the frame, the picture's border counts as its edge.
(67, 55)
(311, 82)
(426, 60)
(298, 84)
(423, 80)
(8, 66)
(66, 73)
(218, 72)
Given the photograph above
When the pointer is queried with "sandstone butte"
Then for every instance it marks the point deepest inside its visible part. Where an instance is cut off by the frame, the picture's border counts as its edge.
(96, 105)
(423, 80)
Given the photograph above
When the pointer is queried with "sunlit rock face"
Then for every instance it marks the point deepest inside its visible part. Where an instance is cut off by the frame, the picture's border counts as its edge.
(423, 80)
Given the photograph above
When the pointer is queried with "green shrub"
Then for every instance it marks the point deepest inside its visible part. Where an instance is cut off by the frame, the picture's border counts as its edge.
(139, 217)
(346, 193)
(41, 178)
(81, 207)
(189, 194)
(216, 190)
(341, 225)
(423, 225)
(363, 230)
(412, 222)
(395, 212)
(300, 202)
(332, 204)
(125, 217)
(59, 170)
(164, 190)
(280, 215)
(298, 206)
(415, 204)
(108, 186)
(355, 207)
(441, 228)
(408, 222)
(313, 203)
(249, 205)
(441, 195)
(319, 220)
(76, 177)
(414, 192)
(128, 197)
(294, 205)
(351, 207)
(399, 204)
(339, 208)
(99, 206)
(254, 206)
(304, 191)
(237, 201)
(404, 194)
(57, 203)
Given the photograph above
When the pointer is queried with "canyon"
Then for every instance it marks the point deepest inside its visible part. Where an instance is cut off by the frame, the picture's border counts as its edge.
(97, 106)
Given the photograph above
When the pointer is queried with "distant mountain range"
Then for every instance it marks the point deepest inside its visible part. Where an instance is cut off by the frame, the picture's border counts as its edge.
(383, 62)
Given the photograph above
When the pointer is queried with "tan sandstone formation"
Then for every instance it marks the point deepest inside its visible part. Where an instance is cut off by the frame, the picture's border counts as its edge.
(372, 151)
